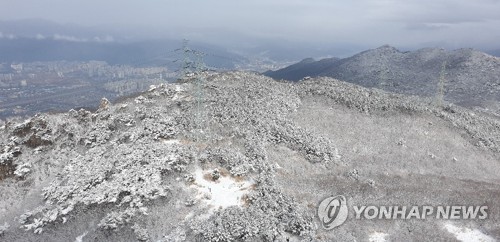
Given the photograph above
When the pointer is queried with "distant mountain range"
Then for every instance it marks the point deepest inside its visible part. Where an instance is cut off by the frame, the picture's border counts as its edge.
(471, 78)
(140, 53)
(41, 40)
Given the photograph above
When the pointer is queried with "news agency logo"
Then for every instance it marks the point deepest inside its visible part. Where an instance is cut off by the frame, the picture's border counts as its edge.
(333, 212)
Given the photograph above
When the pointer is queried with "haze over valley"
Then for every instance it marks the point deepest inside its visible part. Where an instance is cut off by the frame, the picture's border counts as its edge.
(179, 121)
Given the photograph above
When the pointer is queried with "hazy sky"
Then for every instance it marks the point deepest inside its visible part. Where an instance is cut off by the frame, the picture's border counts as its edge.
(404, 23)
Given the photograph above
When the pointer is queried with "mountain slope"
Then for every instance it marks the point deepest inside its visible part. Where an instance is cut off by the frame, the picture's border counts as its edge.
(471, 78)
(307, 67)
(242, 157)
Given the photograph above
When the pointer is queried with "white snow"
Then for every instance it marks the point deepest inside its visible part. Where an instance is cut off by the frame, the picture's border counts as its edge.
(178, 89)
(377, 237)
(4, 228)
(171, 141)
(222, 193)
(468, 235)
(23, 170)
(80, 238)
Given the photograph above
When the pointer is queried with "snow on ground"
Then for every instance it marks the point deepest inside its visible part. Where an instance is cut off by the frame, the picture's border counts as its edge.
(222, 192)
(468, 235)
(3, 228)
(171, 141)
(80, 238)
(377, 237)
(178, 89)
